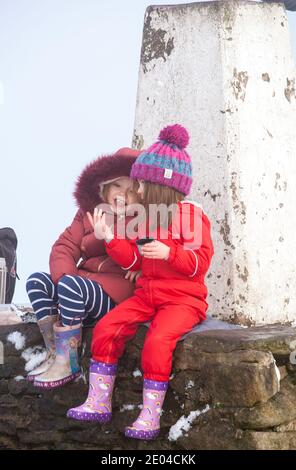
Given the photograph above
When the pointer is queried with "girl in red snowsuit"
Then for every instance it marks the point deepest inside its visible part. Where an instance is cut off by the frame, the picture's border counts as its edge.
(170, 293)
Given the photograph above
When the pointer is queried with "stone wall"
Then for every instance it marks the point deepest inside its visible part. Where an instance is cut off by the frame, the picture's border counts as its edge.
(231, 375)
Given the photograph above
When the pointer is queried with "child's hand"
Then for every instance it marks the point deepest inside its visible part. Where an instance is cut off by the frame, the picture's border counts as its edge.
(155, 250)
(133, 275)
(102, 231)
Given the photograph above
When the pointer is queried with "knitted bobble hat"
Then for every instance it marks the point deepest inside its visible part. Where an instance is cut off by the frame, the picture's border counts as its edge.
(166, 162)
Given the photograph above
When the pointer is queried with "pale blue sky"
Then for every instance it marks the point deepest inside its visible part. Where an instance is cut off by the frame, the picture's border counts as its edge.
(68, 84)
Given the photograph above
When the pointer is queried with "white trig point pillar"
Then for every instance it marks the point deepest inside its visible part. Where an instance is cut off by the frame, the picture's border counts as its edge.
(225, 71)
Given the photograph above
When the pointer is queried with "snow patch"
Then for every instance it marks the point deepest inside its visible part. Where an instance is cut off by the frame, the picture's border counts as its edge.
(17, 339)
(189, 385)
(184, 424)
(33, 357)
(127, 408)
(24, 312)
(137, 373)
(278, 375)
(81, 377)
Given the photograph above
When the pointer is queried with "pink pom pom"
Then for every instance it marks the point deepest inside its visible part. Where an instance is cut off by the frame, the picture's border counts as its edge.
(175, 134)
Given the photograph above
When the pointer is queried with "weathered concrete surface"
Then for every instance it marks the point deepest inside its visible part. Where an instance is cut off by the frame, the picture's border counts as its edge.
(234, 373)
(225, 71)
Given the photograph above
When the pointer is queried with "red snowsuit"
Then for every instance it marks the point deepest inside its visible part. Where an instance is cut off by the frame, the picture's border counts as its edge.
(171, 294)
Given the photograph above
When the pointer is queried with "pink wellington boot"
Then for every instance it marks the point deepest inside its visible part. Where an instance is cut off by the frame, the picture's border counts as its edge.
(147, 426)
(97, 406)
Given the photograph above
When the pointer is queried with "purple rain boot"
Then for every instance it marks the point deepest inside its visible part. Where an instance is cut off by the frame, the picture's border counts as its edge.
(97, 406)
(146, 426)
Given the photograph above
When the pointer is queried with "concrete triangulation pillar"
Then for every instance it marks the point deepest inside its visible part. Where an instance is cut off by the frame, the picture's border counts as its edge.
(225, 71)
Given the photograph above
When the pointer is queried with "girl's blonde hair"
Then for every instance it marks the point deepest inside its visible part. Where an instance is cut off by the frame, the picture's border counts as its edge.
(159, 194)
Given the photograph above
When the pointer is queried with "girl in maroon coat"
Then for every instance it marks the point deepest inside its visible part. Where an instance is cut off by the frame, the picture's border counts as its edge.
(84, 281)
(170, 293)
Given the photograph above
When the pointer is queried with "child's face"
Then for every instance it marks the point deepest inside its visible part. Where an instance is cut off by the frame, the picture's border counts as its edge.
(121, 194)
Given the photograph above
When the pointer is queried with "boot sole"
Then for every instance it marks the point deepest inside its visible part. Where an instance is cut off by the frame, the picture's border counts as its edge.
(56, 383)
(141, 434)
(33, 377)
(82, 416)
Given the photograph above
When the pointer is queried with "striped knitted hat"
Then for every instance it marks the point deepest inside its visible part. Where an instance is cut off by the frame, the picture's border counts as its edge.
(166, 162)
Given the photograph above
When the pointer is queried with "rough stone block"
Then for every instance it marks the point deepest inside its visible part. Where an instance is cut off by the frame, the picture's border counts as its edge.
(278, 410)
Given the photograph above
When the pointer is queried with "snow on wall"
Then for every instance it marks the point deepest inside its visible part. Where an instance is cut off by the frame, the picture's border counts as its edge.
(184, 423)
(17, 339)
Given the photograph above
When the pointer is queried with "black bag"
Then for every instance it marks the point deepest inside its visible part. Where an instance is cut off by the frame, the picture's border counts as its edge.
(8, 244)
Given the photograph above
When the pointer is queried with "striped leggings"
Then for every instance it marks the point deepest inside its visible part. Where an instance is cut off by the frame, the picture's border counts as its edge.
(80, 300)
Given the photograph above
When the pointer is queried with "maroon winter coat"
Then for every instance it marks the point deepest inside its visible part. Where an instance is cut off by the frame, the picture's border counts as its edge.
(77, 251)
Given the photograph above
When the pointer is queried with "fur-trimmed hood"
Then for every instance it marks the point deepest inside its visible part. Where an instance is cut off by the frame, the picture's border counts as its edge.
(102, 169)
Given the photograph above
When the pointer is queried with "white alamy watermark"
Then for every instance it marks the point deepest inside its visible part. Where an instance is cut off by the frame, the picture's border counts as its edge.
(158, 221)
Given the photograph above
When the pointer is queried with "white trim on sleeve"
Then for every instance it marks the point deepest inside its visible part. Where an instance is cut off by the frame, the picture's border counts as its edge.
(196, 260)
(135, 260)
